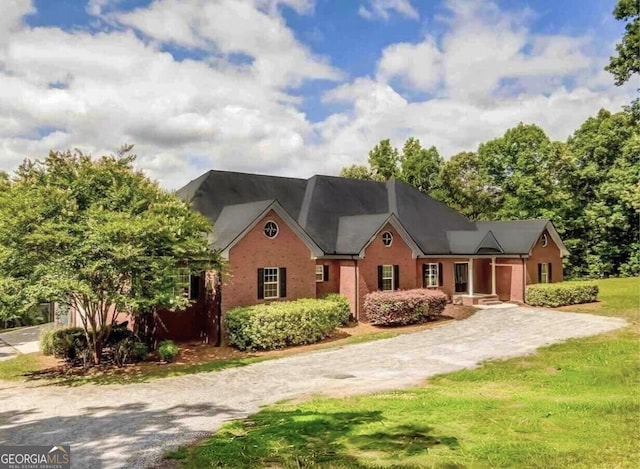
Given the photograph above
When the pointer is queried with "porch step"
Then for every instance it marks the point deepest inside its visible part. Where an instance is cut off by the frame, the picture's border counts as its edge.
(490, 303)
(489, 300)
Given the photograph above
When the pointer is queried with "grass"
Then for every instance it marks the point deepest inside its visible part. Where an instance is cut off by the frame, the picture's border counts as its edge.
(17, 368)
(575, 404)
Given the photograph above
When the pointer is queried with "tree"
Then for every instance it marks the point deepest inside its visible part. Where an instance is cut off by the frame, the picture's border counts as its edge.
(420, 166)
(627, 62)
(383, 160)
(356, 171)
(463, 186)
(99, 237)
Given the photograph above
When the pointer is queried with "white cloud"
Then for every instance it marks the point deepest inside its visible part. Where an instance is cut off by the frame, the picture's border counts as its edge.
(382, 9)
(418, 66)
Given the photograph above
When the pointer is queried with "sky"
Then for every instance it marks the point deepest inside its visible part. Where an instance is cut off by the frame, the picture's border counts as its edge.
(294, 87)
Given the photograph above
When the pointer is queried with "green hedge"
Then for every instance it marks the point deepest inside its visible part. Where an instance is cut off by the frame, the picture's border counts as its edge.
(553, 295)
(283, 323)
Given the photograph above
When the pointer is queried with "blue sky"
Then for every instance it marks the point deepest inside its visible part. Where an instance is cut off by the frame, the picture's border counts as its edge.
(294, 87)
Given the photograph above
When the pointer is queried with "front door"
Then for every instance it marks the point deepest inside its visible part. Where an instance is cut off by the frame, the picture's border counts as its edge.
(461, 276)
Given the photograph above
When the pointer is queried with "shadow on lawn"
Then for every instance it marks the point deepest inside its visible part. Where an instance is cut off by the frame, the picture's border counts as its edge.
(297, 438)
(125, 431)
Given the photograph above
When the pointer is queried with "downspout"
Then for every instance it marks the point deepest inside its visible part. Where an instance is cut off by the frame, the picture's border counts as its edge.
(357, 290)
(524, 280)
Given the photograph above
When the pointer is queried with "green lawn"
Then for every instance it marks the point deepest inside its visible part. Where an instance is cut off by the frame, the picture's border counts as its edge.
(575, 404)
(17, 368)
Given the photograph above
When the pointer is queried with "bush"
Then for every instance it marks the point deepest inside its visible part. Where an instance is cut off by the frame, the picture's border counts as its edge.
(67, 343)
(128, 350)
(167, 349)
(343, 304)
(400, 308)
(118, 334)
(284, 323)
(553, 295)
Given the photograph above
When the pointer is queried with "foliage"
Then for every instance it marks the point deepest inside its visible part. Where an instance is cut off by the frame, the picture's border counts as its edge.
(128, 350)
(573, 404)
(383, 160)
(403, 307)
(284, 323)
(343, 305)
(46, 341)
(420, 166)
(553, 295)
(168, 350)
(627, 62)
(356, 171)
(67, 343)
(98, 236)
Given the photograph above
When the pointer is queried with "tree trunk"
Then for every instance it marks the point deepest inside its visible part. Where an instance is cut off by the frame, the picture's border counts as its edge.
(145, 327)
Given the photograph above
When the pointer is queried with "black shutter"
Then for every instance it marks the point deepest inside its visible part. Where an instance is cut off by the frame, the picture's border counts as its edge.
(260, 284)
(396, 277)
(283, 282)
(539, 273)
(325, 275)
(379, 277)
(440, 275)
(549, 272)
(424, 275)
(194, 281)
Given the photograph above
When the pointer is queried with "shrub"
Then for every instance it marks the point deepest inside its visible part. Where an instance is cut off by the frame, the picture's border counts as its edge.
(400, 308)
(119, 333)
(553, 295)
(343, 304)
(167, 349)
(285, 323)
(128, 350)
(67, 343)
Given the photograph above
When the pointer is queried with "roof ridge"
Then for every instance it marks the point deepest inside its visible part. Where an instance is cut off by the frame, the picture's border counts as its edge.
(303, 217)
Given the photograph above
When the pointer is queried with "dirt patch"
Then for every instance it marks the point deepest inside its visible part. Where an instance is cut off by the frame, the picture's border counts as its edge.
(459, 312)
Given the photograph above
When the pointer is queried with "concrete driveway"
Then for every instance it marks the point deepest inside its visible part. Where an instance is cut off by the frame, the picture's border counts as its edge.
(132, 425)
(21, 340)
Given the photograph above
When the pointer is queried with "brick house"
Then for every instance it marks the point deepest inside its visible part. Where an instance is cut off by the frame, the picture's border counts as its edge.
(286, 238)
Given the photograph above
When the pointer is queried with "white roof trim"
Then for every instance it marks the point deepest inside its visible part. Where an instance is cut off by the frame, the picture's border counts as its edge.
(406, 237)
(288, 219)
(554, 236)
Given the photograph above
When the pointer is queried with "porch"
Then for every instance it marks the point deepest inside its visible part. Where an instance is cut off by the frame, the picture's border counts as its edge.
(481, 280)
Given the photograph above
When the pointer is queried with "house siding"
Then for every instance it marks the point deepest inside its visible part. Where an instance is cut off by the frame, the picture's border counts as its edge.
(549, 254)
(256, 251)
(333, 284)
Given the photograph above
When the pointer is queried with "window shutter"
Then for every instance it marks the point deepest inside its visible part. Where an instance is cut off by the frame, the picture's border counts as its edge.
(396, 277)
(440, 275)
(539, 273)
(326, 272)
(194, 281)
(283, 282)
(549, 272)
(424, 275)
(379, 277)
(260, 284)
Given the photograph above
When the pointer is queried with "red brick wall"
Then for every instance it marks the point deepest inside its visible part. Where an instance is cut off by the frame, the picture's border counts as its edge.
(254, 251)
(378, 254)
(347, 280)
(509, 286)
(333, 284)
(550, 254)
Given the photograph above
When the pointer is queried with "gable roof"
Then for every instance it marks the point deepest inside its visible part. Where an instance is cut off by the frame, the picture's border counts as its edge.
(340, 216)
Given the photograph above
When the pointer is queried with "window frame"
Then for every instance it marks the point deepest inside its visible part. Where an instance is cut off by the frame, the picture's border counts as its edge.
(264, 229)
(544, 240)
(391, 278)
(436, 275)
(320, 272)
(544, 272)
(390, 239)
(182, 276)
(266, 272)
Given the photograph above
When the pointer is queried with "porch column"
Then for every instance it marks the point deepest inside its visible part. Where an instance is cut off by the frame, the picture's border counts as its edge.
(493, 275)
(470, 276)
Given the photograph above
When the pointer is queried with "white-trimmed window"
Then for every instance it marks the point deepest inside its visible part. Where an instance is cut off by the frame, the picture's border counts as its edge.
(319, 273)
(387, 238)
(431, 275)
(188, 282)
(271, 229)
(544, 240)
(544, 272)
(387, 277)
(271, 283)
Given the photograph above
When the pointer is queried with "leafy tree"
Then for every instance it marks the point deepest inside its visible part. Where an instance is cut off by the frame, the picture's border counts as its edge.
(627, 62)
(99, 237)
(462, 184)
(383, 159)
(356, 171)
(420, 166)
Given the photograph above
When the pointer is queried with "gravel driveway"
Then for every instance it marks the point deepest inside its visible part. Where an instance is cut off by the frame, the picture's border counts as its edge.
(131, 426)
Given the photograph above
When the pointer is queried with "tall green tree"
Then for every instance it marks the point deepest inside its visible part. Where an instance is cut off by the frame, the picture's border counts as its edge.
(383, 160)
(99, 237)
(604, 219)
(420, 166)
(356, 171)
(463, 185)
(627, 61)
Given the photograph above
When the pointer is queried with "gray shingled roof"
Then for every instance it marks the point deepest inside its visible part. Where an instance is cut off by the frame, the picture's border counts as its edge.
(340, 215)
